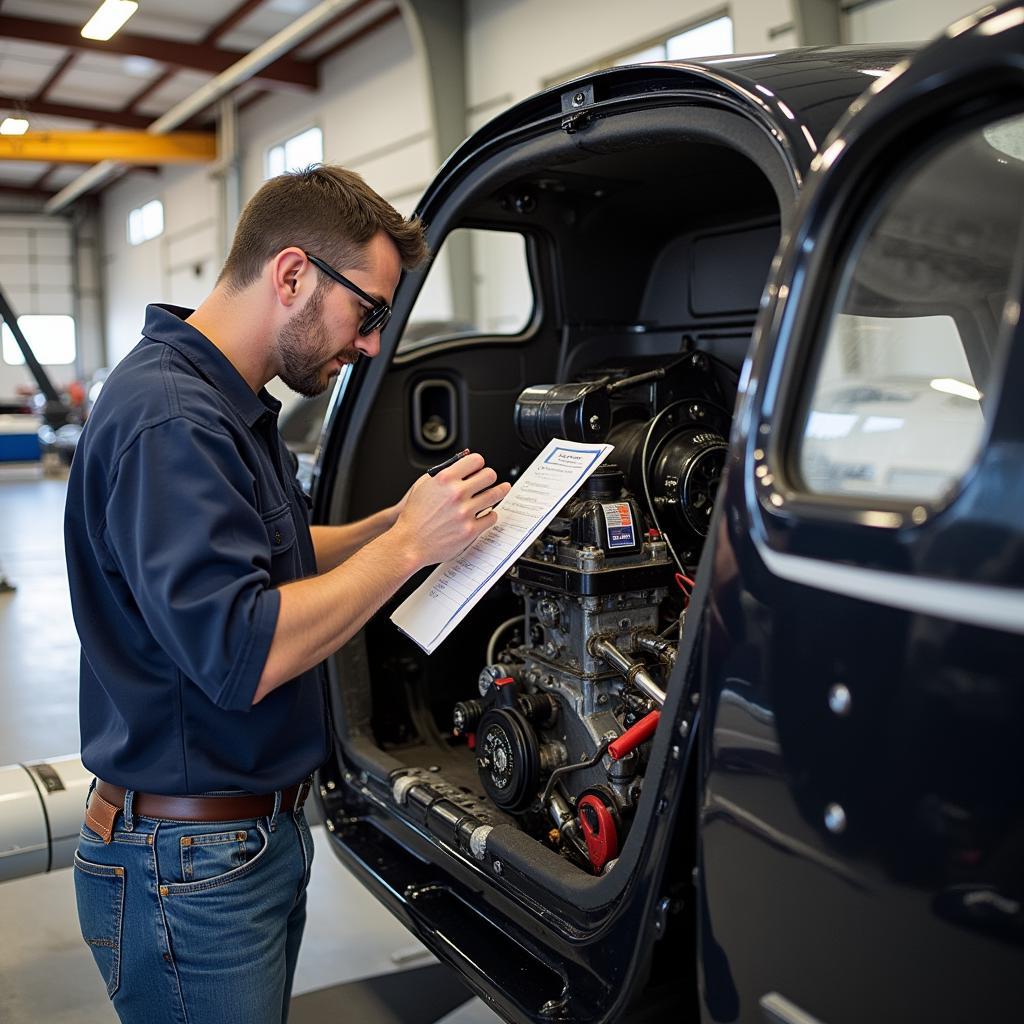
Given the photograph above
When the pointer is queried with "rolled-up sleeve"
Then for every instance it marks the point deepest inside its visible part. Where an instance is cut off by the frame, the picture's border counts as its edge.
(184, 529)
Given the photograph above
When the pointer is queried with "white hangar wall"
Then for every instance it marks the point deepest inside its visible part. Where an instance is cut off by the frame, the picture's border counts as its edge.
(375, 118)
(513, 49)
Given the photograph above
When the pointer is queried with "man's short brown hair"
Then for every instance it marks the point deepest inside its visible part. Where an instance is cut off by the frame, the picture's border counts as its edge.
(324, 210)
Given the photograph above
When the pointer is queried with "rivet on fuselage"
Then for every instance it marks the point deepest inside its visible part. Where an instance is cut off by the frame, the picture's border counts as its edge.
(839, 699)
(835, 819)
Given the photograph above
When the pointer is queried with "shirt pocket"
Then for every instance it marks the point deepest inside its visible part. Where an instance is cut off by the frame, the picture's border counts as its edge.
(284, 560)
(99, 893)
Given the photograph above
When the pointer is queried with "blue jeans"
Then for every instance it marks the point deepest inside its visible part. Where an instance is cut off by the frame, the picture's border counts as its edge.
(196, 922)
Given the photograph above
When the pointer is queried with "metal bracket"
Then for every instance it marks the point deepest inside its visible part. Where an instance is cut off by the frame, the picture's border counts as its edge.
(578, 98)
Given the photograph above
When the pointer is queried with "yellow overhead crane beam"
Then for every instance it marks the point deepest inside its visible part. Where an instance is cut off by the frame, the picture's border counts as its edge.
(124, 147)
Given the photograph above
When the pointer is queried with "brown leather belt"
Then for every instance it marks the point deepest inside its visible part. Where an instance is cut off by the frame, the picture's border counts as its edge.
(100, 813)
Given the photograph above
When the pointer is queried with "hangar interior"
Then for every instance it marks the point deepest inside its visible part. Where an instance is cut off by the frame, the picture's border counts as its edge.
(387, 89)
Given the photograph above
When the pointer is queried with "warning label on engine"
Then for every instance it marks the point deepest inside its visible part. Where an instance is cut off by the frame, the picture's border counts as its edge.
(619, 520)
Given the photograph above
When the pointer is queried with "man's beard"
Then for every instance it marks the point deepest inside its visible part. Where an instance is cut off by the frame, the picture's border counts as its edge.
(304, 348)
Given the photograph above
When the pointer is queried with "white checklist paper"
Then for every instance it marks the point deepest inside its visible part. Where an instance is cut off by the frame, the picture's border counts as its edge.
(448, 594)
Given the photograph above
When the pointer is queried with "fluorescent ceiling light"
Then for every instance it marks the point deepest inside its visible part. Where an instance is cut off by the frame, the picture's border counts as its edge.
(952, 386)
(14, 126)
(109, 17)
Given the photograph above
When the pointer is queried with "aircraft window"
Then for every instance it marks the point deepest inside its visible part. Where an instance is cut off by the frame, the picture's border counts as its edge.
(478, 284)
(898, 403)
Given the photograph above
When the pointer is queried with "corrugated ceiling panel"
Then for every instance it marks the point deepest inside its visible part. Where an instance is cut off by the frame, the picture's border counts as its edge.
(266, 21)
(20, 76)
(21, 172)
(186, 20)
(91, 87)
(324, 41)
(183, 84)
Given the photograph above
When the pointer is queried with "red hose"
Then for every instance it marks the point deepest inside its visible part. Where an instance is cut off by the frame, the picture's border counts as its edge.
(634, 736)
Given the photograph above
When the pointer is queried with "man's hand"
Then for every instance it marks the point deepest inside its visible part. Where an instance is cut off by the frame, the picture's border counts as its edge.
(437, 520)
(438, 515)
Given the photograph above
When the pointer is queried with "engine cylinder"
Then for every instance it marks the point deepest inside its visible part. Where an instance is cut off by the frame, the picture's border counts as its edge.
(575, 411)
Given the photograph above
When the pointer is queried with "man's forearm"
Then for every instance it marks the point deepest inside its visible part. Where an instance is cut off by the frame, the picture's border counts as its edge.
(439, 517)
(334, 544)
(319, 614)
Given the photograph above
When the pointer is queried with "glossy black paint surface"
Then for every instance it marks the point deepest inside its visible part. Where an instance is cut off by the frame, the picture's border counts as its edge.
(912, 909)
(864, 925)
(798, 96)
(505, 933)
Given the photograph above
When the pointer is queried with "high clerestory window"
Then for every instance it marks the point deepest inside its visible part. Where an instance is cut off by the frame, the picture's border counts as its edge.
(146, 222)
(708, 39)
(295, 153)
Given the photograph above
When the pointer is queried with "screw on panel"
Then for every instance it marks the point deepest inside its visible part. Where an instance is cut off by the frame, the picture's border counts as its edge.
(840, 699)
(835, 819)
(498, 867)
(578, 99)
(554, 1008)
(661, 912)
(595, 423)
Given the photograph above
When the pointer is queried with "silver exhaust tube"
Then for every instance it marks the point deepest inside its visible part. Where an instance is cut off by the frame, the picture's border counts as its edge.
(42, 805)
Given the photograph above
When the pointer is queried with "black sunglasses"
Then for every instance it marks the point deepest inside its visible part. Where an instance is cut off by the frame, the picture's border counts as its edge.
(379, 313)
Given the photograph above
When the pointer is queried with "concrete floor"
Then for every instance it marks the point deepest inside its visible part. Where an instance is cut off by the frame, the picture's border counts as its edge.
(357, 962)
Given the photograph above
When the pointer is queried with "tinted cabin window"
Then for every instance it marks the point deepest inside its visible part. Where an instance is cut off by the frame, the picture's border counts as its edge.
(478, 284)
(897, 408)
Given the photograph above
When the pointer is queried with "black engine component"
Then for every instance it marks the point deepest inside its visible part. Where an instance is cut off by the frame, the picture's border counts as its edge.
(575, 411)
(677, 461)
(511, 759)
(591, 660)
(669, 428)
(601, 517)
(465, 716)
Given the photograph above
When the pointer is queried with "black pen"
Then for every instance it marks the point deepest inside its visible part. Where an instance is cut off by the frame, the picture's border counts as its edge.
(434, 470)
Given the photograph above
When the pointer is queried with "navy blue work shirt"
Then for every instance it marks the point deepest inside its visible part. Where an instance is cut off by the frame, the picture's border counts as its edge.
(183, 516)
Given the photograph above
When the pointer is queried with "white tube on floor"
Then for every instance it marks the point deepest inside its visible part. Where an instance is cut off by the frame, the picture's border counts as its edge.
(41, 809)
